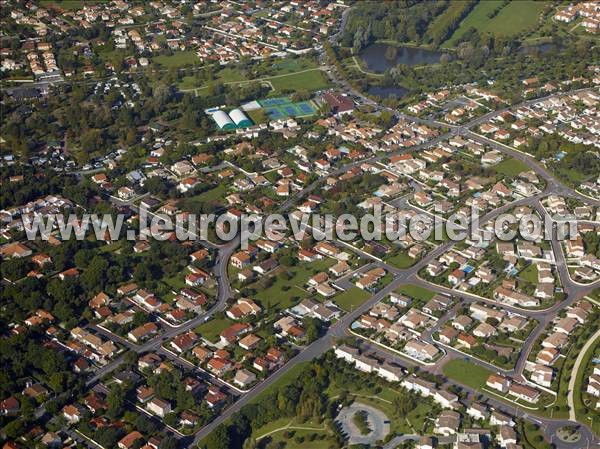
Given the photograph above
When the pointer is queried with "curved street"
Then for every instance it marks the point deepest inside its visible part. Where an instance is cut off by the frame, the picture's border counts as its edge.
(339, 329)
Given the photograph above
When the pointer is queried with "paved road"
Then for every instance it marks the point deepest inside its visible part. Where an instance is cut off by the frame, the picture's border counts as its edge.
(340, 328)
(378, 423)
(570, 397)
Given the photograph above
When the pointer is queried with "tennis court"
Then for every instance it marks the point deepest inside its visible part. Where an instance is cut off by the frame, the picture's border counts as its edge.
(279, 108)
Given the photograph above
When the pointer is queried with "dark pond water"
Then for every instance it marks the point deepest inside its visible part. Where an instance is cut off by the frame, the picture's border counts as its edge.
(379, 57)
(541, 48)
(385, 92)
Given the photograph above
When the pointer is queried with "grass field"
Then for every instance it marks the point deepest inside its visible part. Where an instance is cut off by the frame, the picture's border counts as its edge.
(215, 194)
(466, 373)
(295, 75)
(287, 378)
(416, 292)
(178, 59)
(511, 167)
(310, 81)
(280, 295)
(350, 299)
(514, 18)
(530, 274)
(473, 20)
(69, 4)
(212, 328)
(455, 9)
(401, 260)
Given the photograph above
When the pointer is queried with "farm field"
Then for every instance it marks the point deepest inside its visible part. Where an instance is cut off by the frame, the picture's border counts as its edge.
(513, 19)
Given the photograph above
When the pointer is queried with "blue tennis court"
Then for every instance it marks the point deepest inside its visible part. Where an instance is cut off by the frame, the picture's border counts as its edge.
(282, 107)
(274, 101)
(274, 113)
(306, 108)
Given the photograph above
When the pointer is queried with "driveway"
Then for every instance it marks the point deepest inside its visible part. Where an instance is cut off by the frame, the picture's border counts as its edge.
(377, 422)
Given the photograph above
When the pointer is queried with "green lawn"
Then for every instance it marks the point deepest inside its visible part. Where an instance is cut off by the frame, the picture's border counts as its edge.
(212, 328)
(474, 19)
(455, 9)
(511, 167)
(310, 81)
(300, 439)
(280, 294)
(287, 378)
(69, 4)
(352, 298)
(466, 373)
(178, 59)
(217, 194)
(283, 75)
(176, 282)
(415, 292)
(578, 389)
(514, 18)
(530, 274)
(401, 260)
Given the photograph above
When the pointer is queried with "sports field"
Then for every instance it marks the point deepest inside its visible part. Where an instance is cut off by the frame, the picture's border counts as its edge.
(282, 107)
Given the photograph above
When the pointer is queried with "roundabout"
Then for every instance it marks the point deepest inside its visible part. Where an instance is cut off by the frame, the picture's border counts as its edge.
(376, 424)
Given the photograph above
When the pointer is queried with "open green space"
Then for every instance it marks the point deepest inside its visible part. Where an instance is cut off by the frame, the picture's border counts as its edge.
(177, 59)
(286, 378)
(401, 260)
(415, 420)
(351, 298)
(474, 19)
(466, 373)
(415, 292)
(217, 194)
(289, 74)
(584, 414)
(511, 167)
(300, 439)
(283, 289)
(443, 21)
(514, 18)
(212, 328)
(68, 4)
(530, 274)
(309, 81)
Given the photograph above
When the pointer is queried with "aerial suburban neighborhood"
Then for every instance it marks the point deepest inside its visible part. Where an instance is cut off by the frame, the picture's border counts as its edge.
(300, 224)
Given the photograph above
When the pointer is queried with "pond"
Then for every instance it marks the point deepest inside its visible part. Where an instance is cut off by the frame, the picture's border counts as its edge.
(386, 92)
(379, 57)
(540, 48)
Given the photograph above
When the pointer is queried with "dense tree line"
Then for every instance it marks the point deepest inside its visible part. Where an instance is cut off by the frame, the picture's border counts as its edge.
(401, 21)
